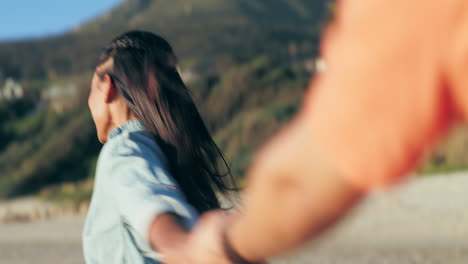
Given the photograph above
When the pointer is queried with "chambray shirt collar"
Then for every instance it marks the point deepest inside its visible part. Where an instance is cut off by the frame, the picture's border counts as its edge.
(129, 126)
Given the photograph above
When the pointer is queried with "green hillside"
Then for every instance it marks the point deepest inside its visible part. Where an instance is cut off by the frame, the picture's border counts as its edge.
(247, 59)
(201, 31)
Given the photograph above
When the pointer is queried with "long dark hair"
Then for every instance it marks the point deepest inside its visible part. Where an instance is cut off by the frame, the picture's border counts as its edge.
(143, 69)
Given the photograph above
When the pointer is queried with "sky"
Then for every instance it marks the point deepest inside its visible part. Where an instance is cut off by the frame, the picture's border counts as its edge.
(23, 19)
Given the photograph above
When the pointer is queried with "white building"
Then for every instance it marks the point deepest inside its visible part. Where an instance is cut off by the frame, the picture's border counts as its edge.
(11, 90)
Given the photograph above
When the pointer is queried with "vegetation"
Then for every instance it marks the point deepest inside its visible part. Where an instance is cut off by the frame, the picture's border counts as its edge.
(243, 122)
(450, 155)
(46, 148)
(207, 31)
(248, 60)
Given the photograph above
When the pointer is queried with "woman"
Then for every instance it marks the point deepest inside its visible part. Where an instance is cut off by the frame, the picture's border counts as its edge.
(159, 166)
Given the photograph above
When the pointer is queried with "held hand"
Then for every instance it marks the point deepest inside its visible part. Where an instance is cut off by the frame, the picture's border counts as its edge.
(204, 244)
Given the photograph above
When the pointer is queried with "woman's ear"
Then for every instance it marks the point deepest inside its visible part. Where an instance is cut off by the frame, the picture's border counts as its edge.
(108, 88)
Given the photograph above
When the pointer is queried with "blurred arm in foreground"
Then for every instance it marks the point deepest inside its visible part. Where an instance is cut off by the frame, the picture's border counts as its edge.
(390, 91)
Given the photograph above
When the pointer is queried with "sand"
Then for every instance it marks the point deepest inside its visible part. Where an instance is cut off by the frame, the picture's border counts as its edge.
(422, 221)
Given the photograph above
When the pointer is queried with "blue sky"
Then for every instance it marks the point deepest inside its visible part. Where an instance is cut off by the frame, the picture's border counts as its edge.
(20, 19)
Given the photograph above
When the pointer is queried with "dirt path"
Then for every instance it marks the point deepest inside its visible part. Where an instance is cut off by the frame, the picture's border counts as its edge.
(424, 221)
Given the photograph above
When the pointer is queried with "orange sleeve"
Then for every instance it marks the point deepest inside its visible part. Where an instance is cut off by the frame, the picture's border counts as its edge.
(382, 99)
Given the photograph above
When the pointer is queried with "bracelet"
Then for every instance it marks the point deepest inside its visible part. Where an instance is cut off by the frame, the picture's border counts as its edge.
(231, 253)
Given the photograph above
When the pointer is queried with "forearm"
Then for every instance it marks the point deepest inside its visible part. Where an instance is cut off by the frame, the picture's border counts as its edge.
(166, 234)
(292, 196)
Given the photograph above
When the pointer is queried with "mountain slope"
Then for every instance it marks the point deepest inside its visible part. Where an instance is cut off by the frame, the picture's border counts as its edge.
(203, 31)
(247, 57)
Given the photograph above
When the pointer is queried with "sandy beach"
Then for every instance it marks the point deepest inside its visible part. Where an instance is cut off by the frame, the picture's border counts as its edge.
(51, 241)
(422, 221)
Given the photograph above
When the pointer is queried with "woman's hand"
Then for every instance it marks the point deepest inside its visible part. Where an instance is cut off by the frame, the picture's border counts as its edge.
(203, 245)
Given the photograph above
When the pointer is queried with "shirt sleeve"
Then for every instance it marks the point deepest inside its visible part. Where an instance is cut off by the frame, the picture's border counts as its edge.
(381, 100)
(143, 189)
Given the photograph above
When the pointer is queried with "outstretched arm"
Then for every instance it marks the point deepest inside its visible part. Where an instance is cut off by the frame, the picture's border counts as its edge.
(366, 122)
(293, 194)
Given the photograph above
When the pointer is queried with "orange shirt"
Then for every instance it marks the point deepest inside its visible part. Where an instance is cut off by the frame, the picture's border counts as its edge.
(395, 79)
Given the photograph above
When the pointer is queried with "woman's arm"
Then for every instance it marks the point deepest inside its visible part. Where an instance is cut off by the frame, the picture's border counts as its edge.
(292, 195)
(169, 238)
(167, 234)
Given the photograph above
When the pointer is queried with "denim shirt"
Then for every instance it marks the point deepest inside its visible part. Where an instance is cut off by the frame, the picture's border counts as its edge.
(132, 187)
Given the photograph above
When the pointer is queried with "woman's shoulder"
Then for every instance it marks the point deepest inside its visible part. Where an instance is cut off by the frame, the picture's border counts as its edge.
(135, 153)
(134, 144)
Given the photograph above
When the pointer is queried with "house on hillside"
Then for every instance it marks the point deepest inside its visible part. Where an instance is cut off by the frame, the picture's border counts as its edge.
(11, 90)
